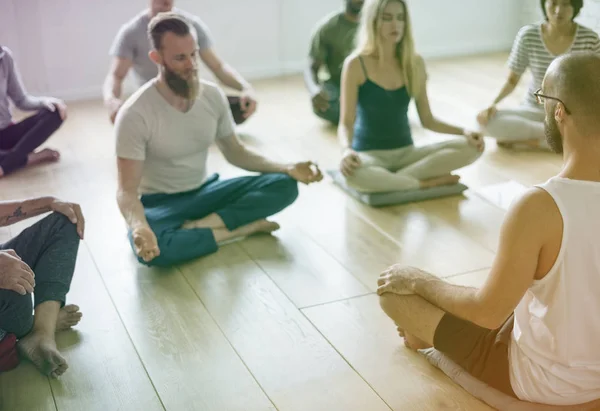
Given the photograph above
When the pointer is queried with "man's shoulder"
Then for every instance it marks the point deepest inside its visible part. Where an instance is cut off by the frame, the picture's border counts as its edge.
(137, 23)
(137, 105)
(193, 19)
(330, 21)
(211, 92)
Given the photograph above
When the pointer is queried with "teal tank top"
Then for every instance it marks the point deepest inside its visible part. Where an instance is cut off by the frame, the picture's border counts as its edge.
(381, 117)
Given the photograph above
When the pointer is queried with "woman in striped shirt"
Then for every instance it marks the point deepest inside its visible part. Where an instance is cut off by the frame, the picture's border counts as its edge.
(535, 46)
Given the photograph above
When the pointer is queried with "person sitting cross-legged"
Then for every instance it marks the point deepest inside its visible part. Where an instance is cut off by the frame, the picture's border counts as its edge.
(531, 331)
(380, 79)
(332, 41)
(20, 140)
(174, 210)
(39, 261)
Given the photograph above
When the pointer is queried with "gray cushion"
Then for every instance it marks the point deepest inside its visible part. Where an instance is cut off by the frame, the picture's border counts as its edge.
(489, 395)
(396, 197)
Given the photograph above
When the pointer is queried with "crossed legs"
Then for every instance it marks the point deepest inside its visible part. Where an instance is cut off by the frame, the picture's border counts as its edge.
(50, 248)
(481, 352)
(19, 141)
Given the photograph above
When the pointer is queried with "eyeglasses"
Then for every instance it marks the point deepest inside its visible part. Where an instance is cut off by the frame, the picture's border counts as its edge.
(540, 99)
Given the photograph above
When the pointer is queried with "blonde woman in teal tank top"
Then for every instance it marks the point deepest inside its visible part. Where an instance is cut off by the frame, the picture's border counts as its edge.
(379, 80)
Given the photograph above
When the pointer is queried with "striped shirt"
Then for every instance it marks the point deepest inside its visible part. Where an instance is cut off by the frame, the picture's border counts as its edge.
(529, 51)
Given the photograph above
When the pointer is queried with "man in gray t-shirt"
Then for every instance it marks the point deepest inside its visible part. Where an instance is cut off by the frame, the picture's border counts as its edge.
(175, 210)
(130, 49)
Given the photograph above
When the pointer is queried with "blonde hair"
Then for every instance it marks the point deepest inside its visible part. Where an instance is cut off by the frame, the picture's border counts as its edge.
(367, 43)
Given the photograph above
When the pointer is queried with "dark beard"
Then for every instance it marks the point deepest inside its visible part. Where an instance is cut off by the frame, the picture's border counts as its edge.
(553, 136)
(180, 86)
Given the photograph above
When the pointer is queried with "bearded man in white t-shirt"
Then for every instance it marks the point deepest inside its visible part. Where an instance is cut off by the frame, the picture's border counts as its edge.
(174, 209)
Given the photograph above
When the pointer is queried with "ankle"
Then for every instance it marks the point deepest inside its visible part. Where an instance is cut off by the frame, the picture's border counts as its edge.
(43, 332)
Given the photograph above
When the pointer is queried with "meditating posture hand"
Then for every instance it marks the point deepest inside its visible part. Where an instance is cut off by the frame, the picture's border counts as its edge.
(320, 100)
(350, 162)
(53, 104)
(248, 102)
(146, 244)
(72, 211)
(15, 275)
(486, 115)
(306, 172)
(475, 139)
(399, 279)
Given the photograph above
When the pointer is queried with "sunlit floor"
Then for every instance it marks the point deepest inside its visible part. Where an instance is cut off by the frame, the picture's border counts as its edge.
(287, 322)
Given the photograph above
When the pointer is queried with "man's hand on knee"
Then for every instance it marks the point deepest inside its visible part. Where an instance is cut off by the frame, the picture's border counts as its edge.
(145, 243)
(399, 280)
(15, 274)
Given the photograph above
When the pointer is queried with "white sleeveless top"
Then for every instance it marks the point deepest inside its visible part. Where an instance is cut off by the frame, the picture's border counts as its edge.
(555, 346)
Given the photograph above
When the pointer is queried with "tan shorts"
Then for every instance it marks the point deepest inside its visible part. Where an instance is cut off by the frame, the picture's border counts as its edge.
(481, 352)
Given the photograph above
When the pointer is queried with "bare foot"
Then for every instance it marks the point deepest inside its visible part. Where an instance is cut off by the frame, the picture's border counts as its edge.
(41, 350)
(440, 181)
(68, 316)
(263, 226)
(44, 156)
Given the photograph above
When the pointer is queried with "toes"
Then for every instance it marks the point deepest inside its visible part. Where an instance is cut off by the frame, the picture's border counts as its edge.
(71, 308)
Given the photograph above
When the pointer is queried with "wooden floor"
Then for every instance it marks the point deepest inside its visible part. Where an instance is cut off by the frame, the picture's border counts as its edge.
(288, 322)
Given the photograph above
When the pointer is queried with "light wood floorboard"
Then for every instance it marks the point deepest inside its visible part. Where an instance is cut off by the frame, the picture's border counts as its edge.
(286, 322)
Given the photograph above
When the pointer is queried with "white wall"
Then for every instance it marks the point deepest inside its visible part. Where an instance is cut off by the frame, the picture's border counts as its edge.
(61, 46)
(589, 16)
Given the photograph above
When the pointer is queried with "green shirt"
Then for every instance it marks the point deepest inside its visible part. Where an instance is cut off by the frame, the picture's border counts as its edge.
(332, 42)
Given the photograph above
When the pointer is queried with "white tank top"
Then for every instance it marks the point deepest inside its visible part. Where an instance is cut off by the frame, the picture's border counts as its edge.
(555, 345)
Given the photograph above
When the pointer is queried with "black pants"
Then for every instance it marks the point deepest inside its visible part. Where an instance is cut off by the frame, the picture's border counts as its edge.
(50, 248)
(21, 139)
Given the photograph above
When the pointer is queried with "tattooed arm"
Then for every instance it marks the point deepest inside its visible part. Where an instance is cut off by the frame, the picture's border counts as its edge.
(14, 211)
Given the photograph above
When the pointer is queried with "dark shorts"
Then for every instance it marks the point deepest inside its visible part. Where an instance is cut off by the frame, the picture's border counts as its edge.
(481, 352)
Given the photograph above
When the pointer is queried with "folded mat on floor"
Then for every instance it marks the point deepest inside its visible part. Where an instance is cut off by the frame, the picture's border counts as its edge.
(489, 395)
(396, 197)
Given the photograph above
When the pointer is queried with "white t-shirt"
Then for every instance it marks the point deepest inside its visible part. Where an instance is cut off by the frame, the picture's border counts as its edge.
(554, 355)
(172, 144)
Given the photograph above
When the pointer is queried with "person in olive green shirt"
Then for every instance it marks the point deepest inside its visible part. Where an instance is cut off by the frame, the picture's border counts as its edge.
(332, 41)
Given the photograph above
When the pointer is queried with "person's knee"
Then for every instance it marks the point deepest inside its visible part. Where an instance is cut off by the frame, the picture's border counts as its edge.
(53, 116)
(63, 224)
(388, 303)
(286, 187)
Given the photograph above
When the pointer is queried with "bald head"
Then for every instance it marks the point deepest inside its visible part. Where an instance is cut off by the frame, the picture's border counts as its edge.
(574, 78)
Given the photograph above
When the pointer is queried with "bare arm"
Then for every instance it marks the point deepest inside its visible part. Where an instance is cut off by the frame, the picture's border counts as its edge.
(428, 120)
(351, 78)
(12, 212)
(311, 76)
(113, 83)
(130, 175)
(246, 158)
(509, 86)
(528, 226)
(224, 72)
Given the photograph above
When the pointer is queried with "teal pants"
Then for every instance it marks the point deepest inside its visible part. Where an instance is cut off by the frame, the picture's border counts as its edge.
(238, 201)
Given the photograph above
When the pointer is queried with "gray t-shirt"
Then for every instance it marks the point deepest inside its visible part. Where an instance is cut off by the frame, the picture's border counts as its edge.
(12, 88)
(132, 42)
(172, 144)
